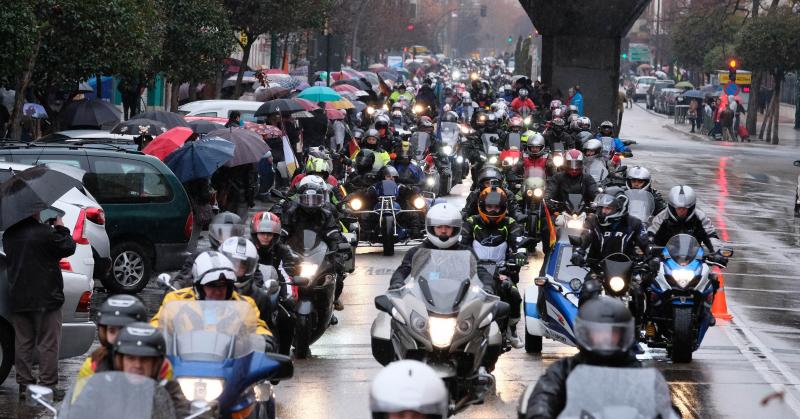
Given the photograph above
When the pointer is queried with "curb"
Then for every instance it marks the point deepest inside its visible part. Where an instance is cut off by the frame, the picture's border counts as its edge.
(695, 137)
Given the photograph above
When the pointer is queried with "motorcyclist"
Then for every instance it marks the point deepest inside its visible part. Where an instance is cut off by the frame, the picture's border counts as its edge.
(557, 133)
(214, 279)
(522, 101)
(508, 93)
(317, 165)
(682, 217)
(494, 229)
(571, 181)
(605, 335)
(312, 211)
(443, 226)
(426, 97)
(371, 141)
(221, 227)
(408, 173)
(638, 177)
(386, 137)
(488, 176)
(606, 129)
(265, 231)
(536, 155)
(400, 93)
(408, 389)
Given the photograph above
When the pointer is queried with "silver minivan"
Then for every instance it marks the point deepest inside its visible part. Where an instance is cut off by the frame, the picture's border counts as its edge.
(221, 108)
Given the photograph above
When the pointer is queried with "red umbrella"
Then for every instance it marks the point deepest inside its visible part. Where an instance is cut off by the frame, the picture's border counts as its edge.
(306, 104)
(168, 142)
(334, 114)
(344, 88)
(265, 131)
(341, 75)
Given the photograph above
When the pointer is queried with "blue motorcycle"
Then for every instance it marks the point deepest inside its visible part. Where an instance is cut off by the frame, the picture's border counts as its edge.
(681, 296)
(218, 358)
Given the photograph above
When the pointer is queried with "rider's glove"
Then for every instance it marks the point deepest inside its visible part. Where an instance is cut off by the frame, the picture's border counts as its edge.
(521, 258)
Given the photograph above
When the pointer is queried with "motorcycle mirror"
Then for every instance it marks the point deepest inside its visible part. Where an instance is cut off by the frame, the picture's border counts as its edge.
(277, 193)
(272, 286)
(165, 280)
(523, 241)
(725, 252)
(36, 394)
(797, 163)
(627, 154)
(383, 303)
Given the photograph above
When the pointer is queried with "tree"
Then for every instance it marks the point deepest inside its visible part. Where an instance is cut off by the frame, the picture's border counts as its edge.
(197, 39)
(770, 44)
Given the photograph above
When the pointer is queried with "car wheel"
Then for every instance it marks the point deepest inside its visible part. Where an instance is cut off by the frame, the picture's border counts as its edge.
(131, 268)
(6, 350)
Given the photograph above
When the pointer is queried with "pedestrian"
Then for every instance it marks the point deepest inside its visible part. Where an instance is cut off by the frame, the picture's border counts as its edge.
(275, 144)
(200, 199)
(726, 119)
(236, 188)
(315, 129)
(691, 114)
(576, 98)
(36, 289)
(234, 119)
(620, 109)
(630, 92)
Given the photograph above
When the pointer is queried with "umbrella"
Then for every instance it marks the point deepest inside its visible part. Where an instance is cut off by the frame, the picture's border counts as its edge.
(334, 114)
(694, 94)
(341, 75)
(372, 78)
(275, 71)
(340, 104)
(302, 114)
(320, 94)
(360, 106)
(284, 106)
(388, 75)
(264, 94)
(140, 126)
(344, 88)
(249, 145)
(358, 84)
(167, 142)
(31, 191)
(94, 113)
(169, 119)
(684, 85)
(199, 159)
(376, 67)
(306, 104)
(264, 130)
(203, 127)
(34, 110)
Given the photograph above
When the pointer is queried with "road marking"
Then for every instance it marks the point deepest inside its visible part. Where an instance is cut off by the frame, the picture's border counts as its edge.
(764, 361)
(727, 288)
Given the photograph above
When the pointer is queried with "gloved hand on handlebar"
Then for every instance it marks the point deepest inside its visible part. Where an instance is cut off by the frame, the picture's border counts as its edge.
(717, 259)
(521, 258)
(578, 257)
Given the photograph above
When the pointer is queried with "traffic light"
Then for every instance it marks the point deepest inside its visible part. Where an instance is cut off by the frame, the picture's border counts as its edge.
(732, 64)
(510, 39)
(624, 55)
(410, 27)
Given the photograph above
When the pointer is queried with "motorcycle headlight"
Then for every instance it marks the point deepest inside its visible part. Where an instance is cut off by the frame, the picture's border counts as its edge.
(527, 120)
(459, 160)
(419, 203)
(370, 110)
(456, 75)
(474, 76)
(385, 107)
(493, 160)
(616, 283)
(465, 129)
(206, 389)
(418, 109)
(447, 150)
(441, 330)
(558, 160)
(356, 204)
(538, 192)
(308, 269)
(430, 181)
(575, 223)
(682, 277)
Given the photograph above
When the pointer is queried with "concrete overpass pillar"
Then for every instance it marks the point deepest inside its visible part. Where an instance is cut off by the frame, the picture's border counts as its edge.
(581, 45)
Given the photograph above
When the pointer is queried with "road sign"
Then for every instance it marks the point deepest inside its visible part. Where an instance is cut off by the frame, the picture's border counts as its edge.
(639, 53)
(731, 89)
(741, 78)
(394, 61)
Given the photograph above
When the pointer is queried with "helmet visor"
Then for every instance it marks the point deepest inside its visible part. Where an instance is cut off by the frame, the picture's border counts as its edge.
(243, 266)
(218, 274)
(313, 200)
(222, 232)
(603, 337)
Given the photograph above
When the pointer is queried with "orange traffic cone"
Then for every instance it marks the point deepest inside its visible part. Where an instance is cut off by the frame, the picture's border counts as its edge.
(720, 306)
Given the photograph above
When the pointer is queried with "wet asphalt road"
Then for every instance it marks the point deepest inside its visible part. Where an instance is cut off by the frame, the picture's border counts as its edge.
(748, 189)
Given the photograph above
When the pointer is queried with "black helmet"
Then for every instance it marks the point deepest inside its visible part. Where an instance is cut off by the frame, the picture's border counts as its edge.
(121, 310)
(450, 116)
(604, 329)
(140, 339)
(222, 226)
(364, 161)
(610, 208)
(489, 173)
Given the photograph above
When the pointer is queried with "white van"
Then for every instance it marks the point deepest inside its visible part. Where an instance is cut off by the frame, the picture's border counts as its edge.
(642, 84)
(221, 108)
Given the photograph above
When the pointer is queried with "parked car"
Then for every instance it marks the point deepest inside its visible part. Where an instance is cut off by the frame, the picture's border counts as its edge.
(221, 108)
(77, 331)
(98, 138)
(642, 84)
(655, 89)
(148, 217)
(668, 99)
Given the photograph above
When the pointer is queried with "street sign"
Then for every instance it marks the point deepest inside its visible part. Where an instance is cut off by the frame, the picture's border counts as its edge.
(394, 61)
(639, 53)
(731, 89)
(741, 78)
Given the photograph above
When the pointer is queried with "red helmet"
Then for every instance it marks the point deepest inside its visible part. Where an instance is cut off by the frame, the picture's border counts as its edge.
(265, 222)
(573, 162)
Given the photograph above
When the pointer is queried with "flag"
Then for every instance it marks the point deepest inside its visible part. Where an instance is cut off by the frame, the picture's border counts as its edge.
(289, 158)
(353, 148)
(550, 226)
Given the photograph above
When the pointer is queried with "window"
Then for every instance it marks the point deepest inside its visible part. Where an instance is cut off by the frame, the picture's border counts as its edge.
(214, 114)
(124, 181)
(248, 116)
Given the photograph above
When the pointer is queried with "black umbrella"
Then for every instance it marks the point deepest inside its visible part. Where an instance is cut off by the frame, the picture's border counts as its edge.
(138, 125)
(284, 106)
(360, 85)
(203, 127)
(94, 113)
(169, 119)
(30, 191)
(250, 147)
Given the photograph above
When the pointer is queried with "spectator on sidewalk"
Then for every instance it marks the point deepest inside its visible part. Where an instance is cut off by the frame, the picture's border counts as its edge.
(620, 109)
(36, 287)
(234, 119)
(576, 98)
(691, 114)
(726, 118)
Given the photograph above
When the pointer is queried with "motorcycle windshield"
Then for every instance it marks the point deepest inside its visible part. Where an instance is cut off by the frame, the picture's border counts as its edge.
(420, 141)
(450, 132)
(93, 396)
(492, 253)
(636, 393)
(534, 172)
(558, 147)
(575, 202)
(617, 264)
(388, 188)
(683, 248)
(597, 169)
(489, 139)
(201, 330)
(440, 275)
(640, 203)
(608, 145)
(514, 140)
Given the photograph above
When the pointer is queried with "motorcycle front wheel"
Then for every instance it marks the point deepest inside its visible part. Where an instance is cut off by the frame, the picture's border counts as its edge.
(302, 336)
(388, 236)
(682, 336)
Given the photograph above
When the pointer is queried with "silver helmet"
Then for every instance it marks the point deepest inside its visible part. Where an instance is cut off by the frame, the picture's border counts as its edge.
(443, 214)
(681, 196)
(610, 208)
(408, 385)
(638, 173)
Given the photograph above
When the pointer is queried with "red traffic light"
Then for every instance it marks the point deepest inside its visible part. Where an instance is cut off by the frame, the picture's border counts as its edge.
(410, 27)
(732, 63)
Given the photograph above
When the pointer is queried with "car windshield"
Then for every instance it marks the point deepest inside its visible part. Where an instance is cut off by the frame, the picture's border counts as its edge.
(92, 396)
(441, 274)
(636, 393)
(210, 330)
(683, 248)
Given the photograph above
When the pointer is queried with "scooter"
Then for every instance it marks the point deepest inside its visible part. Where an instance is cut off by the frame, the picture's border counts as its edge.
(681, 296)
(444, 318)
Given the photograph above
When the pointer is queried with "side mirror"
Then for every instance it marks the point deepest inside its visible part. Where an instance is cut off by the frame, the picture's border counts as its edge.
(165, 281)
(501, 310)
(272, 286)
(285, 368)
(383, 303)
(726, 252)
(797, 163)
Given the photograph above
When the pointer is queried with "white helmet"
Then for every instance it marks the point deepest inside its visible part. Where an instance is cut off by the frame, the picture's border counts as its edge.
(443, 214)
(594, 145)
(211, 267)
(638, 173)
(681, 196)
(408, 385)
(243, 256)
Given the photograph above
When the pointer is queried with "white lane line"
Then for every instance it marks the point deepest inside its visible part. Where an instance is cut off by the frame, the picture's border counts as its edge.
(764, 361)
(727, 288)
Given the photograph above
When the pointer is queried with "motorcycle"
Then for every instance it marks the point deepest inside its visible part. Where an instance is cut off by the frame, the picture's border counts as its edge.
(451, 148)
(635, 393)
(620, 277)
(595, 167)
(420, 144)
(531, 205)
(217, 356)
(681, 296)
(551, 303)
(387, 213)
(444, 318)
